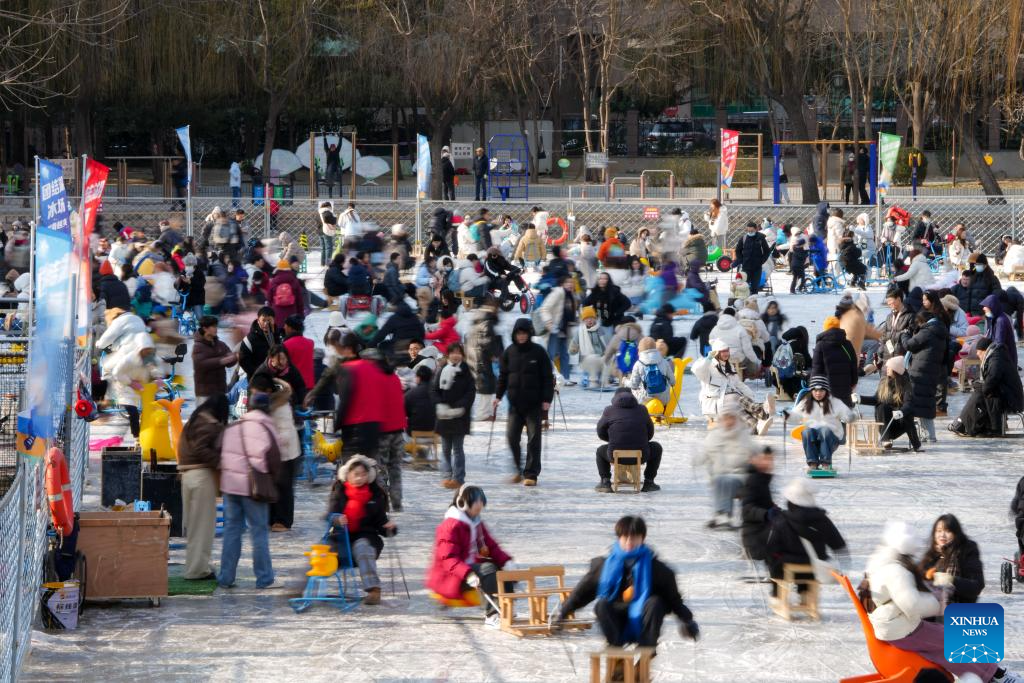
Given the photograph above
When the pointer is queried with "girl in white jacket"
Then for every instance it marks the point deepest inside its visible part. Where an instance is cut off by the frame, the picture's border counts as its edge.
(918, 274)
(721, 388)
(822, 417)
(903, 601)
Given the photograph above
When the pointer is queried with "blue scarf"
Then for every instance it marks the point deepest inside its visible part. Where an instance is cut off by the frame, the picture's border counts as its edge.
(611, 579)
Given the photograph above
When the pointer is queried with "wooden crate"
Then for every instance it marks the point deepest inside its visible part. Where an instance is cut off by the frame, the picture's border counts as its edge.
(536, 596)
(126, 554)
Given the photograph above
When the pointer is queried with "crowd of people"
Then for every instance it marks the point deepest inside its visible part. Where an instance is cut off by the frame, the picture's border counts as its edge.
(413, 344)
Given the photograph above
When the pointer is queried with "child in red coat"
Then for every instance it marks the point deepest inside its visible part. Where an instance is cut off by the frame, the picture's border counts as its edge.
(445, 333)
(465, 554)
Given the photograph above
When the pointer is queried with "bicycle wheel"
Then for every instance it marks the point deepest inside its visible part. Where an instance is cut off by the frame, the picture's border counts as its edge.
(827, 283)
(807, 285)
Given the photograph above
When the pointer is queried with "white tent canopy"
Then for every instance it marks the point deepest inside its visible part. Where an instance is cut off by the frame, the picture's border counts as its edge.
(282, 162)
(302, 152)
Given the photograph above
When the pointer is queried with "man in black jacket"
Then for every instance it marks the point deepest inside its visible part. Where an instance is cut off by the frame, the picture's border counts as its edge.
(447, 174)
(751, 252)
(526, 376)
(758, 509)
(402, 327)
(618, 581)
(626, 426)
(895, 328)
(480, 168)
(661, 329)
(999, 393)
(263, 334)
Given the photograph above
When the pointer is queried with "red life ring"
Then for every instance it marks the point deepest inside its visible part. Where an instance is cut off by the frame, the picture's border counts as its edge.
(555, 220)
(58, 492)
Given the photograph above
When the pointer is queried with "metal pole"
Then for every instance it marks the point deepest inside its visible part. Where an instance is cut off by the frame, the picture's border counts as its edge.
(23, 514)
(874, 148)
(266, 209)
(188, 200)
(352, 192)
(394, 173)
(953, 157)
(760, 170)
(878, 204)
(312, 165)
(776, 173)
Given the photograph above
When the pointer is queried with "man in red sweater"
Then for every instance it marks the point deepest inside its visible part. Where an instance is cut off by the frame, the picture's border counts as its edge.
(300, 349)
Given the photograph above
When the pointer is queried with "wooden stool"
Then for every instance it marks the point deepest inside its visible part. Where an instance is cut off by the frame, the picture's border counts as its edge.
(1017, 274)
(865, 435)
(626, 474)
(1005, 430)
(808, 601)
(963, 373)
(783, 396)
(536, 595)
(429, 441)
(636, 662)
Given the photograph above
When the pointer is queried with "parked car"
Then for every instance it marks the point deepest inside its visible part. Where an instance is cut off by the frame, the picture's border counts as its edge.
(677, 137)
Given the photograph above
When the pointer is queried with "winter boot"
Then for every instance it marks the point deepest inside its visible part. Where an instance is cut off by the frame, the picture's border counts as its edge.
(372, 597)
(649, 486)
(605, 486)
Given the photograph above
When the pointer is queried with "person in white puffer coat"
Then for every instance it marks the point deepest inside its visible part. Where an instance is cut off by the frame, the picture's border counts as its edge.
(722, 390)
(918, 274)
(740, 345)
(904, 602)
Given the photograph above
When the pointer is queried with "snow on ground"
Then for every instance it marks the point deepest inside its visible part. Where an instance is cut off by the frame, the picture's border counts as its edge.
(247, 634)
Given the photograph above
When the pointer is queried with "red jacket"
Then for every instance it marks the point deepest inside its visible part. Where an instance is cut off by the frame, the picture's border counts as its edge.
(444, 335)
(282, 312)
(393, 404)
(300, 352)
(452, 547)
(362, 396)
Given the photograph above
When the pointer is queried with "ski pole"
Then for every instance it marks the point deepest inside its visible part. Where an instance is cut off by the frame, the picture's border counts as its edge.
(757, 575)
(490, 439)
(565, 648)
(558, 396)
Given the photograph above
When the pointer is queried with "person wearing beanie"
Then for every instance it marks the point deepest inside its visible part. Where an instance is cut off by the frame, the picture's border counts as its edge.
(904, 603)
(652, 376)
(112, 290)
(821, 415)
(590, 345)
(661, 329)
(800, 519)
(835, 358)
(997, 392)
(890, 401)
(286, 294)
(358, 503)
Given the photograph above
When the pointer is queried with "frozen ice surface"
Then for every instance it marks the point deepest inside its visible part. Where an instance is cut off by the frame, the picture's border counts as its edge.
(246, 634)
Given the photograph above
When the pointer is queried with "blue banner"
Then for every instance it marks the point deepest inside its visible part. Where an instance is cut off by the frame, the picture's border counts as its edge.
(422, 165)
(187, 145)
(48, 379)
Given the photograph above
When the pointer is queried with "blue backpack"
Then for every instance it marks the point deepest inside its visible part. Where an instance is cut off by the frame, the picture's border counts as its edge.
(625, 357)
(782, 361)
(654, 379)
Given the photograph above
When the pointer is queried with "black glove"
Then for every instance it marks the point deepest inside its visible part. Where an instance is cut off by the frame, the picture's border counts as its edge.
(690, 630)
(785, 414)
(772, 513)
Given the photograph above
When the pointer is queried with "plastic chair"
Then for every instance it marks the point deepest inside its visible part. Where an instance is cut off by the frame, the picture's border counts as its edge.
(335, 588)
(893, 665)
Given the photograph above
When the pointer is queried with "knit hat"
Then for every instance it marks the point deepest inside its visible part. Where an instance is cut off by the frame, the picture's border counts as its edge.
(900, 537)
(973, 330)
(950, 302)
(819, 382)
(283, 265)
(610, 233)
(799, 492)
(106, 268)
(588, 312)
(896, 364)
(646, 344)
(370, 465)
(831, 323)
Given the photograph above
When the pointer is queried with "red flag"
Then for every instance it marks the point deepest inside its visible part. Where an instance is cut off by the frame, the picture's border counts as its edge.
(730, 149)
(95, 180)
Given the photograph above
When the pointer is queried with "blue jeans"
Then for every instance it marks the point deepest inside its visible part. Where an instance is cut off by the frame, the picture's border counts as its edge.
(453, 458)
(326, 249)
(241, 512)
(819, 445)
(236, 193)
(558, 348)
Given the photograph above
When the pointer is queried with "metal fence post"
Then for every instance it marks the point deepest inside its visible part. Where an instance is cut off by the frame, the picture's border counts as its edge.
(20, 474)
(1013, 218)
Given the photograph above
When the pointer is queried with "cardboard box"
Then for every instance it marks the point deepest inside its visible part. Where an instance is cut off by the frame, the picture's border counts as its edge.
(126, 554)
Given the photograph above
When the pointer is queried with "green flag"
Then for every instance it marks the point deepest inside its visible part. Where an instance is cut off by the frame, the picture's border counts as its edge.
(888, 153)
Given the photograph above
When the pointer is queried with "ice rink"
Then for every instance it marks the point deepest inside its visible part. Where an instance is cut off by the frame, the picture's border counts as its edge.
(245, 634)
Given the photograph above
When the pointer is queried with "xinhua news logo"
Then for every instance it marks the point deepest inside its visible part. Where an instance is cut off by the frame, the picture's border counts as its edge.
(973, 633)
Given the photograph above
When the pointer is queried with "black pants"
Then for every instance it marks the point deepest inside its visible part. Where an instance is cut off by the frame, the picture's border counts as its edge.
(753, 280)
(652, 462)
(897, 428)
(981, 415)
(847, 191)
(488, 573)
(530, 419)
(864, 197)
(798, 279)
(614, 616)
(360, 438)
(133, 420)
(283, 511)
(449, 189)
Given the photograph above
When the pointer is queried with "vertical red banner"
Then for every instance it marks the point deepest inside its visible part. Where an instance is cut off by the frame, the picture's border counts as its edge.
(730, 150)
(92, 195)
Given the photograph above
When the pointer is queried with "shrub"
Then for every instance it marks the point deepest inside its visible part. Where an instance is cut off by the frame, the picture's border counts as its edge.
(902, 175)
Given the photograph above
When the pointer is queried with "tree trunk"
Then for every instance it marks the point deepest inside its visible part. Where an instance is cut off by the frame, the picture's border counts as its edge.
(972, 150)
(397, 170)
(436, 144)
(917, 113)
(794, 108)
(270, 133)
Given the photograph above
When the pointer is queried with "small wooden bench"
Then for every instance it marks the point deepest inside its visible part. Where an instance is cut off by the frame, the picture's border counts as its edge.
(808, 603)
(635, 661)
(865, 436)
(625, 473)
(542, 583)
(428, 441)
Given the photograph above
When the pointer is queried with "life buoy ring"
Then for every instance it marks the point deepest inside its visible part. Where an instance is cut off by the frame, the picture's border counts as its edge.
(560, 222)
(58, 492)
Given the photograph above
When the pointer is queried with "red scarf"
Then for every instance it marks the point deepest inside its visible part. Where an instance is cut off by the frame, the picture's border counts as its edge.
(355, 506)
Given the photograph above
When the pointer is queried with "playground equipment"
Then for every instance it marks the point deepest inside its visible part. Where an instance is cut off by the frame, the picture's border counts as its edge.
(509, 171)
(823, 164)
(154, 427)
(663, 413)
(330, 577)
